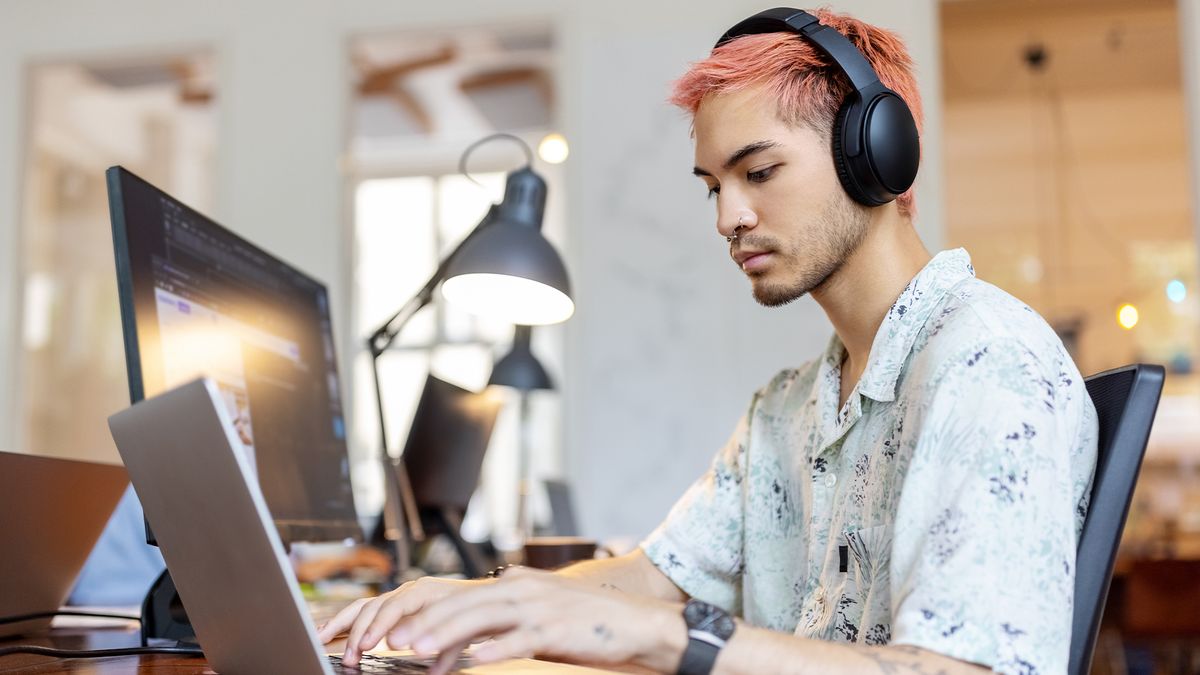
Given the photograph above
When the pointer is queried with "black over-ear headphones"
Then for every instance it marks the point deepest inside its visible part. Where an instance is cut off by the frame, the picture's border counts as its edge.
(876, 149)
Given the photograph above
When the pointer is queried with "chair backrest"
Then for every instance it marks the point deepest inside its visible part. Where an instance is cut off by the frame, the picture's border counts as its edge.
(1125, 399)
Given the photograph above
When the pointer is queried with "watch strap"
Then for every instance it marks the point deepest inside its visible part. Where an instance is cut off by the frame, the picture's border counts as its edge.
(700, 654)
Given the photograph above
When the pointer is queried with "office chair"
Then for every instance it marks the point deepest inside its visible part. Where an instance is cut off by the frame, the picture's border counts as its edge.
(1125, 399)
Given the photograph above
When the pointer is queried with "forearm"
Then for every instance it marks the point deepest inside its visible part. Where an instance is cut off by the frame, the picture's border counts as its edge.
(631, 573)
(755, 650)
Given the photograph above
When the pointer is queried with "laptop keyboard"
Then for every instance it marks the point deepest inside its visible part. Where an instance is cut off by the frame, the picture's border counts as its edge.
(385, 665)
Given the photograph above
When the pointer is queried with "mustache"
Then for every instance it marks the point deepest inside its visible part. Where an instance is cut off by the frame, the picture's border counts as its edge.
(753, 242)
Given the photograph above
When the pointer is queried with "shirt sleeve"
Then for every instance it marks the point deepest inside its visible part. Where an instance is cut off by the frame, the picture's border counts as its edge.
(699, 546)
(983, 559)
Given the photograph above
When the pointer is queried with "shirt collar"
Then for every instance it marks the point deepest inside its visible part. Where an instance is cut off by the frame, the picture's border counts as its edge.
(907, 316)
(827, 391)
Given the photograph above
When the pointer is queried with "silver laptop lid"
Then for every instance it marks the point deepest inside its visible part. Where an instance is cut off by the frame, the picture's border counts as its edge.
(216, 533)
(52, 511)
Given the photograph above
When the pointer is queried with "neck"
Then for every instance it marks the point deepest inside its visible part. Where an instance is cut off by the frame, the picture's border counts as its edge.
(858, 295)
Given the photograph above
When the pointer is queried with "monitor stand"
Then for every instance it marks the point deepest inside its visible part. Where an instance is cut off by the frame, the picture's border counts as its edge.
(163, 614)
(446, 519)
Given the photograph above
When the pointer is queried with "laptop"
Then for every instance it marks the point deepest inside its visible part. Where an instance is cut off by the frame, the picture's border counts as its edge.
(52, 511)
(220, 543)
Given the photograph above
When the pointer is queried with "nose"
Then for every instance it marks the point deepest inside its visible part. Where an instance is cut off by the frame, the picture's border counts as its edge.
(735, 221)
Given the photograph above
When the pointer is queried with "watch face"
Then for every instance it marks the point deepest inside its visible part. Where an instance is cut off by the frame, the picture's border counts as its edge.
(708, 618)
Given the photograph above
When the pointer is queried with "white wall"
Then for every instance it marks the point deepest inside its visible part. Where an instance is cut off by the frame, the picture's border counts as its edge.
(667, 344)
(1189, 32)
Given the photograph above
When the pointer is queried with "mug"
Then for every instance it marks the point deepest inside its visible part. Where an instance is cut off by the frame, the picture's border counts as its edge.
(553, 552)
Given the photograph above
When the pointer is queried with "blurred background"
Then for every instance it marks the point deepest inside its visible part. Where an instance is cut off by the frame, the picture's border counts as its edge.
(1059, 149)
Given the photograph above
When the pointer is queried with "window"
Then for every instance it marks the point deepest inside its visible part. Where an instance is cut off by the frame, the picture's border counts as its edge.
(421, 100)
(155, 116)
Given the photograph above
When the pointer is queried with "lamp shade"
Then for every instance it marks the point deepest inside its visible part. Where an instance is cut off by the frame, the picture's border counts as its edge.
(519, 368)
(507, 270)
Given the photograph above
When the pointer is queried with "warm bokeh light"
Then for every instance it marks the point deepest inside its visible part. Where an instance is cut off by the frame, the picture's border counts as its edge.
(553, 149)
(519, 301)
(1127, 316)
(1176, 291)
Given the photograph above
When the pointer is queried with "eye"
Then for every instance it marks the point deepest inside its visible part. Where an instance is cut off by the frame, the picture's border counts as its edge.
(714, 191)
(761, 175)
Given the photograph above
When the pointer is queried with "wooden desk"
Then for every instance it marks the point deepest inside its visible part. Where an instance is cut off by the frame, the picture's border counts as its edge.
(94, 638)
(112, 638)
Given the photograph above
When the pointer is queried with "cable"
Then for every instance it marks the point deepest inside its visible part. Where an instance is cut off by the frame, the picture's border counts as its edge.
(43, 615)
(96, 653)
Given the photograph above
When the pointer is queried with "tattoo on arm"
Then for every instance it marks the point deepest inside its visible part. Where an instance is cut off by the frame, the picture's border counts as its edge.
(907, 660)
(603, 632)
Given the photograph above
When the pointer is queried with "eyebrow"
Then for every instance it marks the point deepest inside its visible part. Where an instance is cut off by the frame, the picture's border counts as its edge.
(742, 153)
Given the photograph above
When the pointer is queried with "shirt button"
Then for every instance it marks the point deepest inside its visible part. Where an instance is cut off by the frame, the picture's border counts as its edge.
(830, 480)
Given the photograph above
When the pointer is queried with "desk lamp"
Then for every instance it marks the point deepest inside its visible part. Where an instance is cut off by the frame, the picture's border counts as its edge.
(521, 370)
(503, 269)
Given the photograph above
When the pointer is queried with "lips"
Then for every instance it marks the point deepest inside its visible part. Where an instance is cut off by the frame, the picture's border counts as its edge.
(744, 255)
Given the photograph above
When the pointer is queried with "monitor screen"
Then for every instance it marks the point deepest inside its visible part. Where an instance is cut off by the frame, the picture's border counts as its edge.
(198, 300)
(447, 441)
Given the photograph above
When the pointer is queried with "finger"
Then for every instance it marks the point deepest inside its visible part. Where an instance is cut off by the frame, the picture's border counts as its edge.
(447, 660)
(407, 600)
(340, 622)
(483, 620)
(518, 644)
(354, 641)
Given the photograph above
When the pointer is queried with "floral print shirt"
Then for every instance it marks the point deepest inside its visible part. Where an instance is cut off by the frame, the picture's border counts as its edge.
(939, 507)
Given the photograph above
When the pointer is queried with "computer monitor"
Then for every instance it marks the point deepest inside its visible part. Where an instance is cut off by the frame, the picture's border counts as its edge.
(443, 458)
(197, 300)
(562, 510)
(446, 443)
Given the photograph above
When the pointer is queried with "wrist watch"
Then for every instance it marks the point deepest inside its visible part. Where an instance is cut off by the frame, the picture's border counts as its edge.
(709, 628)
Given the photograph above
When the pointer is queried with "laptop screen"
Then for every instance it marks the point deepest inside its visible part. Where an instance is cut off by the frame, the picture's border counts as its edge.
(198, 300)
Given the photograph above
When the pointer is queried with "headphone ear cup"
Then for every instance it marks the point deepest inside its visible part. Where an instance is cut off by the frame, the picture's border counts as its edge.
(890, 151)
(893, 147)
(840, 163)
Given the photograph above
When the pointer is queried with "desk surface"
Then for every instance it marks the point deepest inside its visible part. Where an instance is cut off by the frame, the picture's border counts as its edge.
(112, 638)
(94, 638)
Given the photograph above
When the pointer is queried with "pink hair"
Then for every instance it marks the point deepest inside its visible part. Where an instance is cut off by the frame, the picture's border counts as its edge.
(808, 87)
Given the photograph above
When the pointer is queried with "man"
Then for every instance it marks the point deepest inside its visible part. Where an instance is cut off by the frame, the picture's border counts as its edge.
(909, 502)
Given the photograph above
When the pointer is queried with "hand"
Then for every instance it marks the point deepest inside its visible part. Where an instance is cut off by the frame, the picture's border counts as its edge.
(369, 618)
(357, 558)
(529, 612)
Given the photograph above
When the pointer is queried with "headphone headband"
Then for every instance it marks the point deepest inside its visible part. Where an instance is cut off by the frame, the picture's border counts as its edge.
(876, 147)
(827, 40)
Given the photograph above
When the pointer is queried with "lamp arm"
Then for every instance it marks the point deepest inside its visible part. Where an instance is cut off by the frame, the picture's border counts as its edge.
(386, 334)
(399, 502)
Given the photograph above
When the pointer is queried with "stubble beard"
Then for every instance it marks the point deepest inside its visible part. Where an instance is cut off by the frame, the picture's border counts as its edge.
(816, 254)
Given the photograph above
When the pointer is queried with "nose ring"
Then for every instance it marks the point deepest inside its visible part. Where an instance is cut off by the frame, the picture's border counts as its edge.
(740, 225)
